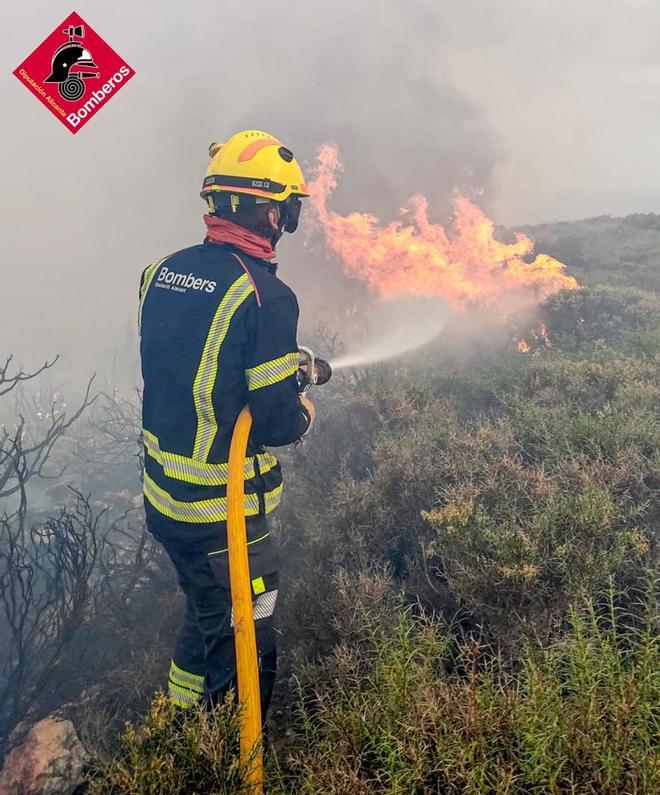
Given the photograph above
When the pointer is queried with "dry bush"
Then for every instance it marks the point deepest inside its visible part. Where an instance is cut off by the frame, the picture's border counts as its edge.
(502, 515)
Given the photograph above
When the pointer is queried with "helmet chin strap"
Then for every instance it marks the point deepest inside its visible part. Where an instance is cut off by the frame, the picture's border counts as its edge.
(277, 229)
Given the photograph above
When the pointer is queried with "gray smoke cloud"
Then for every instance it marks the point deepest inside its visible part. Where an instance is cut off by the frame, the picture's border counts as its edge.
(542, 110)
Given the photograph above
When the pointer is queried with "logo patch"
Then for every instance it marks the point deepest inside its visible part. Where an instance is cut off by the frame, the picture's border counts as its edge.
(182, 282)
(73, 72)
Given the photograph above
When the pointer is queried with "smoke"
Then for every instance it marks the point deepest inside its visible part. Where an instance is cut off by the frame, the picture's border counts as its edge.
(422, 97)
(84, 215)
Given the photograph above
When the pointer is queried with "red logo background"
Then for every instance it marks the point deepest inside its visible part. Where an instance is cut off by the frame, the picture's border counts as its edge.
(38, 66)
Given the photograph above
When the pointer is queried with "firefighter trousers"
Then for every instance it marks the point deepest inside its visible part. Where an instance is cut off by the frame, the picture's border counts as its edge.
(203, 666)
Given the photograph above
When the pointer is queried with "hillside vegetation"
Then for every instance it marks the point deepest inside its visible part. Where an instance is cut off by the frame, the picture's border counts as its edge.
(470, 546)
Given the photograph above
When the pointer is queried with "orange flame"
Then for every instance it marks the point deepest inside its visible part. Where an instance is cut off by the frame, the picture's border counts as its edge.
(420, 258)
(523, 347)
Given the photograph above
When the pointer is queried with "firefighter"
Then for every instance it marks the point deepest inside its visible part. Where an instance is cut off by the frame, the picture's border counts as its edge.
(218, 331)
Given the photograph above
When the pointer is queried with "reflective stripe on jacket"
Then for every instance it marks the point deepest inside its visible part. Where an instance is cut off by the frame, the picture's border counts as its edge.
(218, 331)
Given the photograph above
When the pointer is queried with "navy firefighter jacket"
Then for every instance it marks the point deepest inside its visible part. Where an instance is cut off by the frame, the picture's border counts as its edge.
(218, 331)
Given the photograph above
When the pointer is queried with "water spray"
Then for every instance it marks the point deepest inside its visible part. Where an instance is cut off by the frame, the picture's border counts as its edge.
(396, 327)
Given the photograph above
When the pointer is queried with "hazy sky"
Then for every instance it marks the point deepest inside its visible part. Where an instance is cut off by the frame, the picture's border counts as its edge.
(546, 110)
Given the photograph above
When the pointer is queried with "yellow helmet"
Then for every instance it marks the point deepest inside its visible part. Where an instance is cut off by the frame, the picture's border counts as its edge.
(255, 163)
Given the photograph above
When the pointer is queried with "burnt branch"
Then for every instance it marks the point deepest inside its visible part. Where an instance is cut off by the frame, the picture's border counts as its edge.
(21, 460)
(8, 382)
(332, 341)
(114, 433)
(45, 595)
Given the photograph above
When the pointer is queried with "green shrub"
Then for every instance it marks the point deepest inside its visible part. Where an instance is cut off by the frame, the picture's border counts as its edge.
(577, 319)
(408, 712)
(175, 751)
(606, 250)
(506, 516)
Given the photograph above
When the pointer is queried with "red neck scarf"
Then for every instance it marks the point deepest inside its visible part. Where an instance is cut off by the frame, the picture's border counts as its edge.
(219, 230)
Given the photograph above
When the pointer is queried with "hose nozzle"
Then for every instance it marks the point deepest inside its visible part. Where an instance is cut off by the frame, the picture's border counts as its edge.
(311, 370)
(323, 371)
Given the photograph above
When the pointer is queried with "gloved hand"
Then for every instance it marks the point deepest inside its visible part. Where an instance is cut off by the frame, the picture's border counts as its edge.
(308, 406)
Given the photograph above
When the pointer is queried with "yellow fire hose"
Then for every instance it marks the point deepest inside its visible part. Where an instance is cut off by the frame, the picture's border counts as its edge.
(245, 636)
(317, 371)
